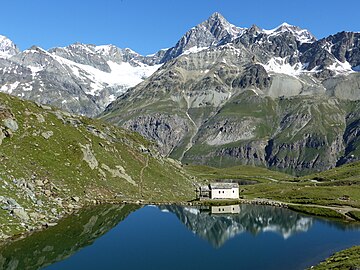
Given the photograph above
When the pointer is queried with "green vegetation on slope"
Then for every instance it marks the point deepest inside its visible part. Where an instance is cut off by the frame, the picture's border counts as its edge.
(242, 172)
(348, 259)
(52, 162)
(341, 191)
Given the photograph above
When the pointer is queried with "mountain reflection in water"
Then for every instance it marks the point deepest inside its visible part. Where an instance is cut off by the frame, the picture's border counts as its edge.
(134, 237)
(217, 228)
(60, 242)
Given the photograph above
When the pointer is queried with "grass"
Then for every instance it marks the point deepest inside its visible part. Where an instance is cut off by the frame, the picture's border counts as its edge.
(262, 175)
(345, 259)
(282, 187)
(346, 172)
(355, 215)
(27, 157)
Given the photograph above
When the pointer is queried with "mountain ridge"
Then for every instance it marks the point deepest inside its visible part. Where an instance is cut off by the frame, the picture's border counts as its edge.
(252, 100)
(222, 94)
(84, 92)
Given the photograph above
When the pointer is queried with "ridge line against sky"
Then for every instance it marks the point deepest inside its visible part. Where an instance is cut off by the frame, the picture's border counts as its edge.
(147, 26)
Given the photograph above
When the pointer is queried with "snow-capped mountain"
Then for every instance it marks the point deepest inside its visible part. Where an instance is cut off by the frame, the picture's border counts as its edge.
(80, 78)
(237, 98)
(301, 35)
(211, 32)
(7, 47)
(83, 78)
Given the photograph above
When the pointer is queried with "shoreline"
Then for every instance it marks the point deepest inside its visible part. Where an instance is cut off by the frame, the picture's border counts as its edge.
(256, 201)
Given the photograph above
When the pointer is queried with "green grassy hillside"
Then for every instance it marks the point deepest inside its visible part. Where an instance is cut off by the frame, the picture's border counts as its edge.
(52, 162)
(336, 191)
(346, 259)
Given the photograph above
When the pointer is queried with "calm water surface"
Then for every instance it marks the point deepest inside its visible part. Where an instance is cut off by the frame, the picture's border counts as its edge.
(173, 237)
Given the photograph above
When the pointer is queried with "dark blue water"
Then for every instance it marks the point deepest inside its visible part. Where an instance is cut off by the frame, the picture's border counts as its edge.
(174, 237)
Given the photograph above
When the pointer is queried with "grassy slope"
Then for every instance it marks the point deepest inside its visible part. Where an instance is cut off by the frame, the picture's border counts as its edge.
(346, 259)
(57, 163)
(243, 172)
(341, 189)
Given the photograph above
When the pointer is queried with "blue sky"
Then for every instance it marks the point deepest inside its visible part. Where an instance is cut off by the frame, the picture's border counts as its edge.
(149, 25)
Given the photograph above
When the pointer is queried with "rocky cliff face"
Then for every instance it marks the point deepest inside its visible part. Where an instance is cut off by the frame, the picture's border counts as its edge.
(277, 98)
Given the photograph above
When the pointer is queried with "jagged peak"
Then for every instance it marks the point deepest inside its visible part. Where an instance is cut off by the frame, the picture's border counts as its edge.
(216, 21)
(7, 47)
(285, 25)
(131, 51)
(217, 16)
(254, 29)
(81, 46)
(302, 35)
(5, 40)
(36, 49)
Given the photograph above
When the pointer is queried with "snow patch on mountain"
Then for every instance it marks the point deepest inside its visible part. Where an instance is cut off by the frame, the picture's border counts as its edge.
(123, 74)
(280, 65)
(194, 49)
(9, 87)
(341, 68)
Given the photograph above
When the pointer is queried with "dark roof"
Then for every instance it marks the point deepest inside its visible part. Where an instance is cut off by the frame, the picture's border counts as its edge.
(223, 185)
(205, 188)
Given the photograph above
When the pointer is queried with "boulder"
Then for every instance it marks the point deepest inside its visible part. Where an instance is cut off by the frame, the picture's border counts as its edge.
(21, 214)
(11, 124)
(75, 199)
(47, 134)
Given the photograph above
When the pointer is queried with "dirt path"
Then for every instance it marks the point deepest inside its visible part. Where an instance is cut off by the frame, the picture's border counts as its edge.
(142, 177)
(196, 129)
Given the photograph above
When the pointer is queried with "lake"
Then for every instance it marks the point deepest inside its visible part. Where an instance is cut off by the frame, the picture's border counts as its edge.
(177, 237)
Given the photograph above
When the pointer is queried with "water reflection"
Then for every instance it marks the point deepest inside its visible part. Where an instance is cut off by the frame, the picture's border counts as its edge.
(160, 240)
(59, 242)
(218, 224)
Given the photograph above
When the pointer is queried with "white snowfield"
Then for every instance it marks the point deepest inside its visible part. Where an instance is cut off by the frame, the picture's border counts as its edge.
(123, 75)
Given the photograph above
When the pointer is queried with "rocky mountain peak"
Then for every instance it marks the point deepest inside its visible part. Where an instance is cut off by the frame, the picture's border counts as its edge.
(220, 27)
(254, 30)
(208, 33)
(345, 46)
(301, 35)
(7, 47)
(33, 57)
(84, 54)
